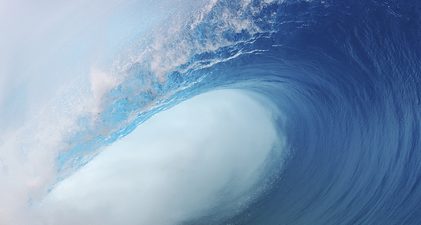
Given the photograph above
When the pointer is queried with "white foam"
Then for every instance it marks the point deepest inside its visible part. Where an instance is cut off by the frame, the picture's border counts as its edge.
(206, 153)
(174, 43)
(101, 83)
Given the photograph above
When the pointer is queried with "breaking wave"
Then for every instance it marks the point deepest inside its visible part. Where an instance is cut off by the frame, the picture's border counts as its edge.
(342, 80)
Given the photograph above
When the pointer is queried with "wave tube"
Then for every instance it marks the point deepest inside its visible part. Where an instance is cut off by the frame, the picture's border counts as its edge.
(311, 113)
(208, 154)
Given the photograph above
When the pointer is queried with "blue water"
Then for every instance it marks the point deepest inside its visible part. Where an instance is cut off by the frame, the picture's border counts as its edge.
(346, 76)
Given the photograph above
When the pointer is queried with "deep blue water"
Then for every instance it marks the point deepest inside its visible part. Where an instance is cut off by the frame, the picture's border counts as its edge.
(346, 76)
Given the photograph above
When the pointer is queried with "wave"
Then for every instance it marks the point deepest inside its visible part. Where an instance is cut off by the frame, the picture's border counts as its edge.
(344, 77)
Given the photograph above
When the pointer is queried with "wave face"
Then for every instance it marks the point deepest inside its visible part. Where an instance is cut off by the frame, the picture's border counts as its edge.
(344, 77)
(347, 76)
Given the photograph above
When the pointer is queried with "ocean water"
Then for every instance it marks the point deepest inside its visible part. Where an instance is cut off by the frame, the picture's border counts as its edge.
(342, 83)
